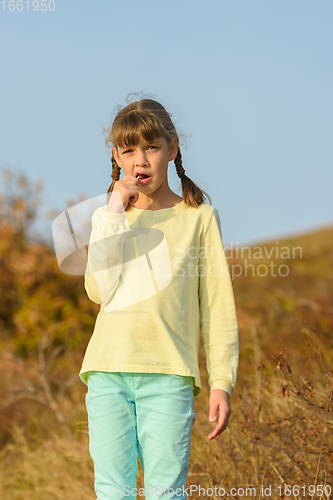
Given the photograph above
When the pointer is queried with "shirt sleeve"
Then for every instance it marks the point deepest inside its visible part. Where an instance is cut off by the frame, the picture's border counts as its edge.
(105, 255)
(219, 324)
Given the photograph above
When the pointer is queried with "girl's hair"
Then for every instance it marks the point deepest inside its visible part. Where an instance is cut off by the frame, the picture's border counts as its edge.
(148, 119)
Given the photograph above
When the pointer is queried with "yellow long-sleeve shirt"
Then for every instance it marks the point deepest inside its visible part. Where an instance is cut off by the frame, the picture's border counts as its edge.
(157, 275)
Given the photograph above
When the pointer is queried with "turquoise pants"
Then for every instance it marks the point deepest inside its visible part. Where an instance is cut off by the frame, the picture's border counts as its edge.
(146, 414)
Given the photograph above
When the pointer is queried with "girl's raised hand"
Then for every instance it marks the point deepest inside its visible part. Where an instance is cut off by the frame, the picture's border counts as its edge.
(128, 189)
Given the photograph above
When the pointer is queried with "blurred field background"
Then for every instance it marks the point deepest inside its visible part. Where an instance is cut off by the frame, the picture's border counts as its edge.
(280, 431)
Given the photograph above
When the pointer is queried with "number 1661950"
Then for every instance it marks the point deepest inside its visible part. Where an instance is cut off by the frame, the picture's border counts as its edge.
(27, 5)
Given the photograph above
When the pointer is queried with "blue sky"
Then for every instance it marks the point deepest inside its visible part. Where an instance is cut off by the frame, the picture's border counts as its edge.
(248, 82)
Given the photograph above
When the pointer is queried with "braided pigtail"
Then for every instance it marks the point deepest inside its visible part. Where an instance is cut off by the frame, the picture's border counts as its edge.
(115, 174)
(192, 194)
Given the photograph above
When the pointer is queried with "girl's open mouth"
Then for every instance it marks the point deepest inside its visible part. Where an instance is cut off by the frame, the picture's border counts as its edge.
(143, 179)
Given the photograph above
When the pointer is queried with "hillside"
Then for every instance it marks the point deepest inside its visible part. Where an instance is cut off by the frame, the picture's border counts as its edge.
(281, 427)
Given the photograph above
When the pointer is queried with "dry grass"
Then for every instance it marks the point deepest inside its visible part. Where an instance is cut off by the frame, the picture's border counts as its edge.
(280, 431)
(274, 438)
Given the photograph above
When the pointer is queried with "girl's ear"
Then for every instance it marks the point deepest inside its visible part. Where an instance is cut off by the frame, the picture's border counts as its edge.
(173, 148)
(115, 154)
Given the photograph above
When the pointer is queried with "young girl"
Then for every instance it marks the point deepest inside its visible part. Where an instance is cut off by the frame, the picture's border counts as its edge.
(156, 265)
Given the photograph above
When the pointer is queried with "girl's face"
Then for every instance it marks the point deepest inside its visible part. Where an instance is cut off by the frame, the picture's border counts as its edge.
(150, 158)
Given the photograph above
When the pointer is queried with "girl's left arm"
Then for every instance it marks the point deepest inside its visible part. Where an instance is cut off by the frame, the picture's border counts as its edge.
(219, 324)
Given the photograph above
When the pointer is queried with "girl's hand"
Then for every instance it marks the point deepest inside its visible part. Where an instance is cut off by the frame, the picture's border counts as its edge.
(219, 400)
(128, 189)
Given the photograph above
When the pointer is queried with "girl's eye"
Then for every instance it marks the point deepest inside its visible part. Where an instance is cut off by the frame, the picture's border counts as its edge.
(130, 150)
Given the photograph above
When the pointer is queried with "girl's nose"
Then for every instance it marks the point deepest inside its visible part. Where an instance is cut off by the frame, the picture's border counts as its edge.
(141, 158)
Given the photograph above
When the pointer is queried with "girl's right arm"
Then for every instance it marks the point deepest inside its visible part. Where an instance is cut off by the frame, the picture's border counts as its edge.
(105, 255)
(106, 245)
